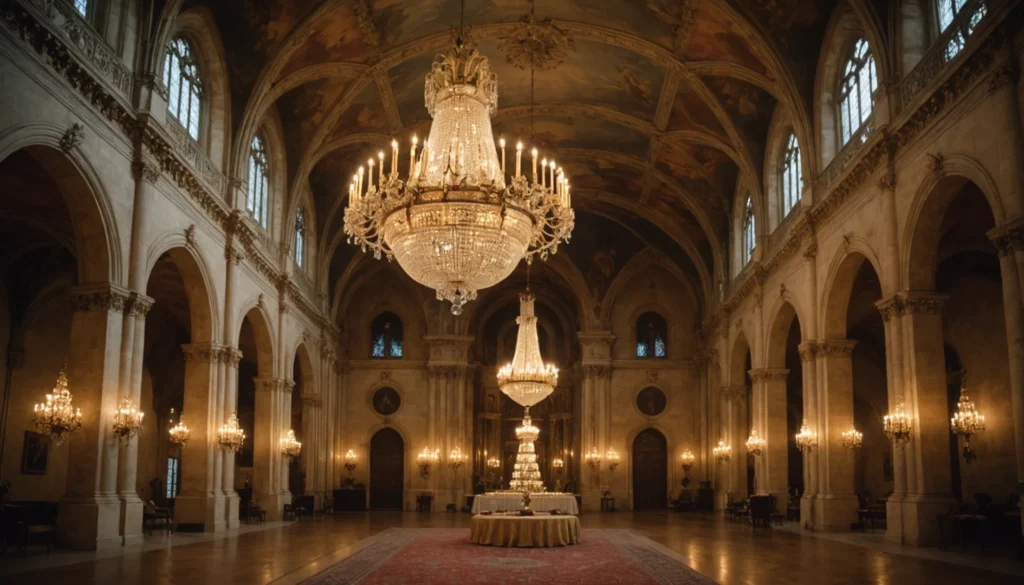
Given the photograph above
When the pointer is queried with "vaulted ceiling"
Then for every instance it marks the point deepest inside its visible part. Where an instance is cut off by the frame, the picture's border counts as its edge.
(658, 114)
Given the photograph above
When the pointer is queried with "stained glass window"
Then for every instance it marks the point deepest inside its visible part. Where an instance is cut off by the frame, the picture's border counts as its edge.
(651, 336)
(82, 6)
(300, 236)
(184, 88)
(860, 80)
(258, 183)
(749, 232)
(173, 468)
(792, 176)
(386, 337)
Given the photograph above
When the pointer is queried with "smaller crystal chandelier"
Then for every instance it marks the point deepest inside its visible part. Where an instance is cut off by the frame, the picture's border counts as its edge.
(231, 436)
(426, 459)
(179, 433)
(493, 463)
(755, 444)
(593, 458)
(898, 425)
(56, 417)
(558, 463)
(687, 459)
(350, 461)
(456, 459)
(290, 447)
(128, 420)
(967, 421)
(852, 439)
(722, 452)
(613, 458)
(527, 379)
(806, 439)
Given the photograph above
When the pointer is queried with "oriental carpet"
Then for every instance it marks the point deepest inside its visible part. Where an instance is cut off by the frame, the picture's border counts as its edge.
(431, 556)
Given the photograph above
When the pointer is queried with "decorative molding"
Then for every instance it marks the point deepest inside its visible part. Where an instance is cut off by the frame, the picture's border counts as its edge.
(733, 393)
(910, 303)
(769, 374)
(371, 38)
(139, 305)
(72, 138)
(212, 353)
(537, 45)
(687, 19)
(808, 351)
(1009, 241)
(100, 298)
(596, 371)
(190, 235)
(145, 171)
(274, 385)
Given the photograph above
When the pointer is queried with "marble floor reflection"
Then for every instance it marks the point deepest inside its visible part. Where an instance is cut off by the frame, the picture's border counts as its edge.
(728, 553)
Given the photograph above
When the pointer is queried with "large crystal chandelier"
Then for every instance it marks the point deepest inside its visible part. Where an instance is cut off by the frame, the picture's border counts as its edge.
(526, 472)
(967, 421)
(461, 220)
(527, 379)
(56, 417)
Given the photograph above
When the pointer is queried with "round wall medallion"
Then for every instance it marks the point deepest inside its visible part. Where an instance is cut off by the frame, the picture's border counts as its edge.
(386, 401)
(651, 401)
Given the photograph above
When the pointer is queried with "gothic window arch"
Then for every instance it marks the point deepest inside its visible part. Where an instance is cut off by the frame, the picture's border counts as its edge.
(184, 86)
(82, 7)
(259, 184)
(386, 337)
(749, 231)
(947, 11)
(300, 237)
(791, 178)
(651, 336)
(856, 90)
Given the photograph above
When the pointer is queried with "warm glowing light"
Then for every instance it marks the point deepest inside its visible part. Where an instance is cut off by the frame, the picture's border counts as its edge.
(179, 433)
(687, 458)
(427, 459)
(967, 421)
(613, 458)
(231, 436)
(593, 459)
(755, 444)
(456, 458)
(722, 452)
(290, 447)
(56, 417)
(128, 420)
(898, 425)
(527, 379)
(806, 439)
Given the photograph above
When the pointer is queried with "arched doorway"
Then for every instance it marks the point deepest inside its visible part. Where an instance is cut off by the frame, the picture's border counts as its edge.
(650, 471)
(387, 470)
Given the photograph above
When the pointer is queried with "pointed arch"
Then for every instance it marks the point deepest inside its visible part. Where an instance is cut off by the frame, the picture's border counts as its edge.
(195, 274)
(259, 320)
(783, 314)
(839, 284)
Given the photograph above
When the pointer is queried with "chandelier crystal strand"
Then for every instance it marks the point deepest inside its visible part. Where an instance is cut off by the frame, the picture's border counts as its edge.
(56, 417)
(527, 379)
(461, 220)
(128, 420)
(231, 436)
(179, 433)
(526, 472)
(967, 421)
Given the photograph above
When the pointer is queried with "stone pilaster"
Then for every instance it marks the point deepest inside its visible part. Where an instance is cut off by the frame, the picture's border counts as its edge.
(772, 466)
(809, 362)
(835, 502)
(732, 473)
(270, 469)
(132, 351)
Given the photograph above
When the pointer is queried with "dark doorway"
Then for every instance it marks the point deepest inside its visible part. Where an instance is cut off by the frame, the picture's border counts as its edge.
(387, 470)
(650, 471)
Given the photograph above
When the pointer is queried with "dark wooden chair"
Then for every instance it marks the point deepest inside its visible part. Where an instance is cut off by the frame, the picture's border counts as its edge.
(26, 523)
(156, 516)
(776, 516)
(424, 502)
(760, 511)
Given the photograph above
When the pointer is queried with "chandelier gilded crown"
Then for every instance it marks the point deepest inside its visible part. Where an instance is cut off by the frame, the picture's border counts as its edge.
(755, 444)
(527, 379)
(806, 439)
(898, 426)
(56, 417)
(722, 452)
(460, 220)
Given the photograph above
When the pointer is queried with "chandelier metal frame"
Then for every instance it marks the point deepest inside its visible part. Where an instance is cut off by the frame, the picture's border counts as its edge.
(56, 417)
(966, 421)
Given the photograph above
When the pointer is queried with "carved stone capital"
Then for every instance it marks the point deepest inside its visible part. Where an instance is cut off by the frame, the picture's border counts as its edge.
(808, 350)
(99, 298)
(72, 138)
(769, 374)
(1009, 241)
(274, 385)
(835, 348)
(139, 305)
(909, 303)
(203, 352)
(146, 171)
(596, 371)
(734, 393)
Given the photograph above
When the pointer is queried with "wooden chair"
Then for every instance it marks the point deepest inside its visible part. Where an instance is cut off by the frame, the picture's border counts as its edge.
(424, 502)
(153, 515)
(777, 516)
(289, 512)
(760, 511)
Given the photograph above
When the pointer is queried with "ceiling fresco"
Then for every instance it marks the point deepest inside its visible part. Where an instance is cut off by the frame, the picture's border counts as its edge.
(649, 110)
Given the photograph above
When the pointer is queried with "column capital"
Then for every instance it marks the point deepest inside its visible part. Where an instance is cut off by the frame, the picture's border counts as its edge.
(312, 400)
(808, 350)
(827, 348)
(100, 297)
(596, 371)
(911, 302)
(769, 374)
(274, 384)
(446, 372)
(139, 305)
(1009, 237)
(734, 392)
(211, 352)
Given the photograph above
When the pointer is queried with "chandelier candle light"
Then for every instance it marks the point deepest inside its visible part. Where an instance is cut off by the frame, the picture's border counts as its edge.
(426, 459)
(593, 458)
(898, 426)
(967, 421)
(231, 436)
(461, 219)
(526, 472)
(755, 444)
(290, 446)
(687, 458)
(128, 420)
(852, 439)
(806, 439)
(179, 433)
(56, 417)
(613, 458)
(722, 452)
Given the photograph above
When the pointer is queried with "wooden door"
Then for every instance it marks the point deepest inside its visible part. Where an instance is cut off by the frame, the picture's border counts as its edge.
(650, 471)
(387, 470)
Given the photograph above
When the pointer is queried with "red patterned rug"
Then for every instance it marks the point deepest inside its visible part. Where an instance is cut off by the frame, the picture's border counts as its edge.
(433, 556)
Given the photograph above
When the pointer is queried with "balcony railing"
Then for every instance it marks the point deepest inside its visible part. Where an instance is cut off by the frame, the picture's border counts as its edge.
(196, 157)
(853, 147)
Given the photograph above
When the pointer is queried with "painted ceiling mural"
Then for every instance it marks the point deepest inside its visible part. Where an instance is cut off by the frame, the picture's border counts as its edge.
(655, 114)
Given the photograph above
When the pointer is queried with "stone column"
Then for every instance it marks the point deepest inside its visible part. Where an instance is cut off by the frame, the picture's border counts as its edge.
(200, 506)
(228, 370)
(808, 361)
(1011, 246)
(90, 509)
(772, 467)
(267, 458)
(132, 351)
(835, 502)
(311, 440)
(733, 419)
(890, 309)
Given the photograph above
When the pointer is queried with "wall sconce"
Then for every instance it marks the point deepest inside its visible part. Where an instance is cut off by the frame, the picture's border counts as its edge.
(557, 463)
(755, 444)
(493, 463)
(806, 439)
(456, 459)
(722, 452)
(351, 460)
(687, 458)
(128, 420)
(852, 439)
(290, 446)
(426, 459)
(613, 459)
(898, 425)
(593, 458)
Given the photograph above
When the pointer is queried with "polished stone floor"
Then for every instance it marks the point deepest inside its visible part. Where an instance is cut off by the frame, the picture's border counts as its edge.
(728, 553)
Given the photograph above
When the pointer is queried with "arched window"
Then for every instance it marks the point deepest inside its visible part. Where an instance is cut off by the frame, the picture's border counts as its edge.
(948, 10)
(651, 336)
(184, 88)
(258, 183)
(300, 236)
(386, 337)
(792, 175)
(749, 232)
(860, 80)
(82, 6)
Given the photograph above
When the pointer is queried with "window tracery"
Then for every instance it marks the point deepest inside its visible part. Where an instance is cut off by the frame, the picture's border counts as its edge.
(651, 336)
(792, 175)
(386, 336)
(259, 185)
(749, 231)
(857, 89)
(184, 87)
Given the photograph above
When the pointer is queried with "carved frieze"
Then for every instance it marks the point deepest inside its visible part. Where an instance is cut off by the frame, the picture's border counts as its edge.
(835, 348)
(99, 299)
(769, 374)
(910, 302)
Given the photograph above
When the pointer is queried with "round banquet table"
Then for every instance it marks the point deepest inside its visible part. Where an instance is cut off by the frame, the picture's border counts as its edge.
(525, 531)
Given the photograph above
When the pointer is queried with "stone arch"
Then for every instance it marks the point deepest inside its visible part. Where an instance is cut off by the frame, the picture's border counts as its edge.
(933, 197)
(647, 258)
(306, 369)
(779, 130)
(263, 332)
(199, 27)
(840, 280)
(198, 284)
(846, 25)
(737, 373)
(783, 313)
(671, 322)
(97, 244)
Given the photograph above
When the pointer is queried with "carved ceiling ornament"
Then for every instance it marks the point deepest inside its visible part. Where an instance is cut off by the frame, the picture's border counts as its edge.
(534, 44)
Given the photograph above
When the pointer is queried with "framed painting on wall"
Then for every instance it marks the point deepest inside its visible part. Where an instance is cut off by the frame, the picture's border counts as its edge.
(34, 453)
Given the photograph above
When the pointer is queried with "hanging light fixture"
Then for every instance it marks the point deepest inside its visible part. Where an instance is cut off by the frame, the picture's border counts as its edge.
(493, 463)
(593, 459)
(897, 425)
(557, 463)
(427, 459)
(806, 439)
(290, 446)
(456, 459)
(755, 444)
(852, 439)
(461, 220)
(722, 452)
(179, 433)
(231, 436)
(527, 379)
(525, 471)
(128, 420)
(56, 417)
(967, 421)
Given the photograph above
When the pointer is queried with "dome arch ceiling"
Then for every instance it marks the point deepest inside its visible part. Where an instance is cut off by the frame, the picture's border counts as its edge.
(658, 60)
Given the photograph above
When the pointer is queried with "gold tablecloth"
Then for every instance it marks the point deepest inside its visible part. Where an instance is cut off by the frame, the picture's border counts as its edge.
(525, 531)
